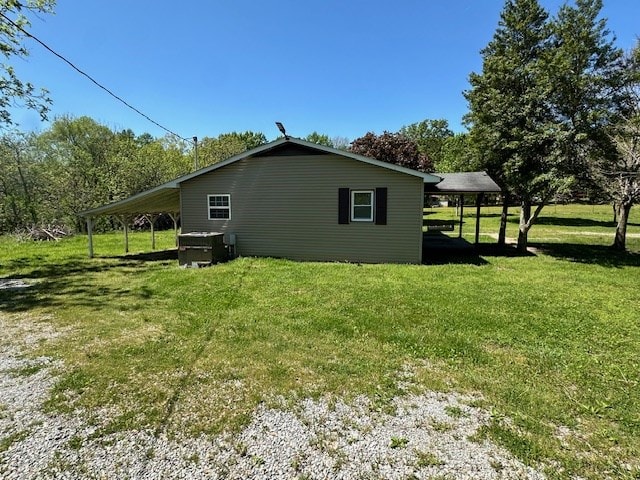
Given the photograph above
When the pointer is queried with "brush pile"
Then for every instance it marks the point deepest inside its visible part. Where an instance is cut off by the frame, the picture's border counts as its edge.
(44, 233)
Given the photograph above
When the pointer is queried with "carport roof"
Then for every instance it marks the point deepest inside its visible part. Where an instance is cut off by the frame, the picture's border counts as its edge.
(463, 183)
(162, 199)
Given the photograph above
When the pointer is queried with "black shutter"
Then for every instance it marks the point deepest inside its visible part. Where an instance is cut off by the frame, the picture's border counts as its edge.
(343, 205)
(381, 206)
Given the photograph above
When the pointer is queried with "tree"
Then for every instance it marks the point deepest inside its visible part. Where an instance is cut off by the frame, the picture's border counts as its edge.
(393, 148)
(81, 151)
(457, 155)
(78, 164)
(619, 174)
(150, 163)
(430, 137)
(18, 182)
(319, 139)
(540, 107)
(13, 90)
(624, 181)
(213, 150)
(586, 72)
(341, 143)
(509, 113)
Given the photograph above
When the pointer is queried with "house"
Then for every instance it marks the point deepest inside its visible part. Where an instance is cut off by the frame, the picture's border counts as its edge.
(298, 200)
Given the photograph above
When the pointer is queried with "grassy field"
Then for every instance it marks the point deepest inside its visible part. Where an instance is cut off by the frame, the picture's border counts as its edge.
(550, 341)
(567, 224)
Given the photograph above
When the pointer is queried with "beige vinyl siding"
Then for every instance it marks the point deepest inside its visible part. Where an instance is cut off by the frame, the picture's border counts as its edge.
(287, 206)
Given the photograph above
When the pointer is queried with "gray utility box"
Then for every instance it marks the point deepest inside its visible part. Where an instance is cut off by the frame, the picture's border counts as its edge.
(198, 248)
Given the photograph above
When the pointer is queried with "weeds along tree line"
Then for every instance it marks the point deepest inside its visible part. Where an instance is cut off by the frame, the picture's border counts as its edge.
(555, 110)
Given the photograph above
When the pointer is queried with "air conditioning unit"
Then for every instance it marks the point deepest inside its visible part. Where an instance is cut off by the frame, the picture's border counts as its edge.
(201, 248)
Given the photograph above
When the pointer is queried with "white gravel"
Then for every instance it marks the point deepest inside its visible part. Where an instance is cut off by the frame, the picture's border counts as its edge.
(423, 436)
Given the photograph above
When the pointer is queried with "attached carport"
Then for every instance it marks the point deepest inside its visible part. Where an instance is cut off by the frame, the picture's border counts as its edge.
(151, 203)
(476, 184)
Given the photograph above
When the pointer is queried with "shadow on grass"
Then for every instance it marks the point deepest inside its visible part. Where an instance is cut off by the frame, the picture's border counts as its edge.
(157, 256)
(496, 250)
(511, 215)
(590, 254)
(572, 222)
(474, 255)
(69, 283)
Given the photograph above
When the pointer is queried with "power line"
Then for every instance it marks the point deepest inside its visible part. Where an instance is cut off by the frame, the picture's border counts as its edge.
(90, 77)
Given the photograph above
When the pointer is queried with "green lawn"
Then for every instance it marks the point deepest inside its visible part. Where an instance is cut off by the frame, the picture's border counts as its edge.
(550, 341)
(569, 224)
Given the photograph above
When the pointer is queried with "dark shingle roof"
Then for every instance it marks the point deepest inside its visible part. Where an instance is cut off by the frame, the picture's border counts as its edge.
(466, 182)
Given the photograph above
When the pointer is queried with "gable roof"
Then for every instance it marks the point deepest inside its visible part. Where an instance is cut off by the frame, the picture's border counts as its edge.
(166, 197)
(276, 144)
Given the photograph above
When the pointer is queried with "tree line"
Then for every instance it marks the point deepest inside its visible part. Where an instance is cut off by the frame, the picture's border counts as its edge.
(77, 164)
(555, 110)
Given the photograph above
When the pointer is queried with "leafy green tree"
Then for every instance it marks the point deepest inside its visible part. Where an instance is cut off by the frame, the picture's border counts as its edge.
(430, 137)
(78, 164)
(144, 139)
(87, 176)
(458, 155)
(393, 148)
(540, 108)
(319, 139)
(510, 118)
(213, 150)
(13, 90)
(154, 163)
(177, 157)
(19, 182)
(585, 70)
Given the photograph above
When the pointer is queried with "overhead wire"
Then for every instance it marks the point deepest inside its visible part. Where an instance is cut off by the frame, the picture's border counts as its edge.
(68, 62)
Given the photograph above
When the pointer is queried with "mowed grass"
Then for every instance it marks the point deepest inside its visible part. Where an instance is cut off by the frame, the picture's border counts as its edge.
(568, 224)
(550, 341)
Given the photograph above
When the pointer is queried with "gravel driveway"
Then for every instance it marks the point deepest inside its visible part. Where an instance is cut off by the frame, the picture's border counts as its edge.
(428, 436)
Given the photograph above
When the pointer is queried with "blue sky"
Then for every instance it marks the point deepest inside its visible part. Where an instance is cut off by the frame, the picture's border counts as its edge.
(340, 67)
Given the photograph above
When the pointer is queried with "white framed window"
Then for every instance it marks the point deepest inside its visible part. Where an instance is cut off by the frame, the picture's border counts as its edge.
(219, 206)
(362, 205)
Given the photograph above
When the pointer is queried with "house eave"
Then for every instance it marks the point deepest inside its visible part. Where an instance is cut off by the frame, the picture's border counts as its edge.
(427, 177)
(166, 197)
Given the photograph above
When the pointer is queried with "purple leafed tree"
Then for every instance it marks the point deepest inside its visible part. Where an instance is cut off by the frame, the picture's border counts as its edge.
(393, 148)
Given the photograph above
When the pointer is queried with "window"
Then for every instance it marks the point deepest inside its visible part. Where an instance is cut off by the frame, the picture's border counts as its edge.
(359, 205)
(362, 205)
(219, 206)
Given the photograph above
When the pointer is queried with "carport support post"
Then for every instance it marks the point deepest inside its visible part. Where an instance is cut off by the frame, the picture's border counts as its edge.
(461, 213)
(478, 203)
(174, 218)
(125, 223)
(90, 234)
(126, 235)
(151, 218)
